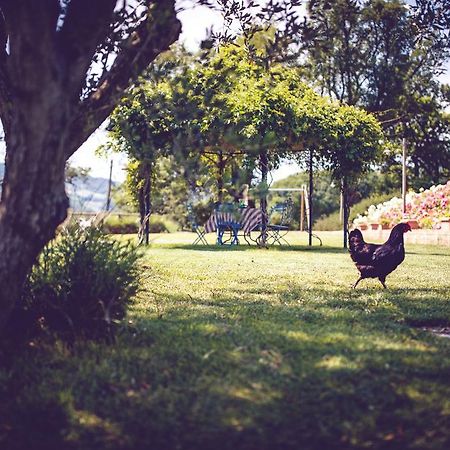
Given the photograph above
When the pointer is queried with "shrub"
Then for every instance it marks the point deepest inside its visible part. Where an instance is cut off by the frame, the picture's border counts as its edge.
(121, 224)
(81, 285)
(158, 224)
(328, 223)
(124, 224)
(333, 222)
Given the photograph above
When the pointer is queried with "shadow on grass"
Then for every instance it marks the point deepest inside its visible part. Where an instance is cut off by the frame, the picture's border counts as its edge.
(311, 375)
(310, 369)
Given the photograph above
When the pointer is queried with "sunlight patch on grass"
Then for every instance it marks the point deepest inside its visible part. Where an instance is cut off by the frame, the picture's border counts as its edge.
(237, 355)
(255, 394)
(298, 335)
(211, 329)
(337, 363)
(385, 344)
(90, 425)
(91, 420)
(237, 423)
(335, 338)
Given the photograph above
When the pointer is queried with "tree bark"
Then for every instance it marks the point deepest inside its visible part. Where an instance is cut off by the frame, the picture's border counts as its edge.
(141, 200)
(141, 208)
(33, 204)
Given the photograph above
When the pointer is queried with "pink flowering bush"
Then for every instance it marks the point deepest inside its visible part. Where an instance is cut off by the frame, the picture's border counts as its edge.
(428, 207)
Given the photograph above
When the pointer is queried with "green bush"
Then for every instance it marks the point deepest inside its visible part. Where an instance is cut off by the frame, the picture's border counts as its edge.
(163, 223)
(124, 224)
(158, 224)
(332, 222)
(328, 223)
(121, 224)
(81, 285)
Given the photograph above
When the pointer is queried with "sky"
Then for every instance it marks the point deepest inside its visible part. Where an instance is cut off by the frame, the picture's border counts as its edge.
(195, 22)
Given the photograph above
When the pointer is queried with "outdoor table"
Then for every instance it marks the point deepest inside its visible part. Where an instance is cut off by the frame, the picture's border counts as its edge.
(245, 219)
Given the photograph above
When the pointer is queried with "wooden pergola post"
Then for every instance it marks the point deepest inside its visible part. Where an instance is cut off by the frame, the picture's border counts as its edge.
(404, 175)
(345, 209)
(302, 209)
(310, 194)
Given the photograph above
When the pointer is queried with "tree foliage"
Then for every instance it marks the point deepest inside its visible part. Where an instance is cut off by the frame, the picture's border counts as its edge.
(384, 56)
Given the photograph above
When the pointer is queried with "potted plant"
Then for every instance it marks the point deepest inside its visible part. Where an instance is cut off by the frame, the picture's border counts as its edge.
(414, 224)
(385, 223)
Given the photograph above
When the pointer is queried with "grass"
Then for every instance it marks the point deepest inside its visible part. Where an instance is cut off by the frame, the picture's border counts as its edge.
(244, 348)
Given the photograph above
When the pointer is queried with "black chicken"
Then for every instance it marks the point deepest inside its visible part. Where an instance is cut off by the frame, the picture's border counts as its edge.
(378, 260)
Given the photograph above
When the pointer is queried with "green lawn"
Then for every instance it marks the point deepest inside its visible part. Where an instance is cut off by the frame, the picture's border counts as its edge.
(246, 348)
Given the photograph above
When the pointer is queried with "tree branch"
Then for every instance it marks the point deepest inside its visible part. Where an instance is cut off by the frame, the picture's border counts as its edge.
(153, 36)
(86, 26)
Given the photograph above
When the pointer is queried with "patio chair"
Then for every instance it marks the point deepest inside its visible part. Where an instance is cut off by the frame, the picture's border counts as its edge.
(276, 231)
(195, 227)
(227, 221)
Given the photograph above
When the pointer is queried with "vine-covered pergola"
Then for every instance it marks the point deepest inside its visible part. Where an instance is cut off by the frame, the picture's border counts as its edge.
(264, 113)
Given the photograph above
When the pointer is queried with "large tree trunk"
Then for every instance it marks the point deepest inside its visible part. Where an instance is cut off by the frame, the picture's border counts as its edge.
(33, 201)
(33, 204)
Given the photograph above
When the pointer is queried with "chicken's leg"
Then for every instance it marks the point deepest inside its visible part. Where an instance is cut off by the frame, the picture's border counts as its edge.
(382, 281)
(357, 281)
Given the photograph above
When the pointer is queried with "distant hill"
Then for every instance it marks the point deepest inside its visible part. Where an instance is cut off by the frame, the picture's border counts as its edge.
(85, 194)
